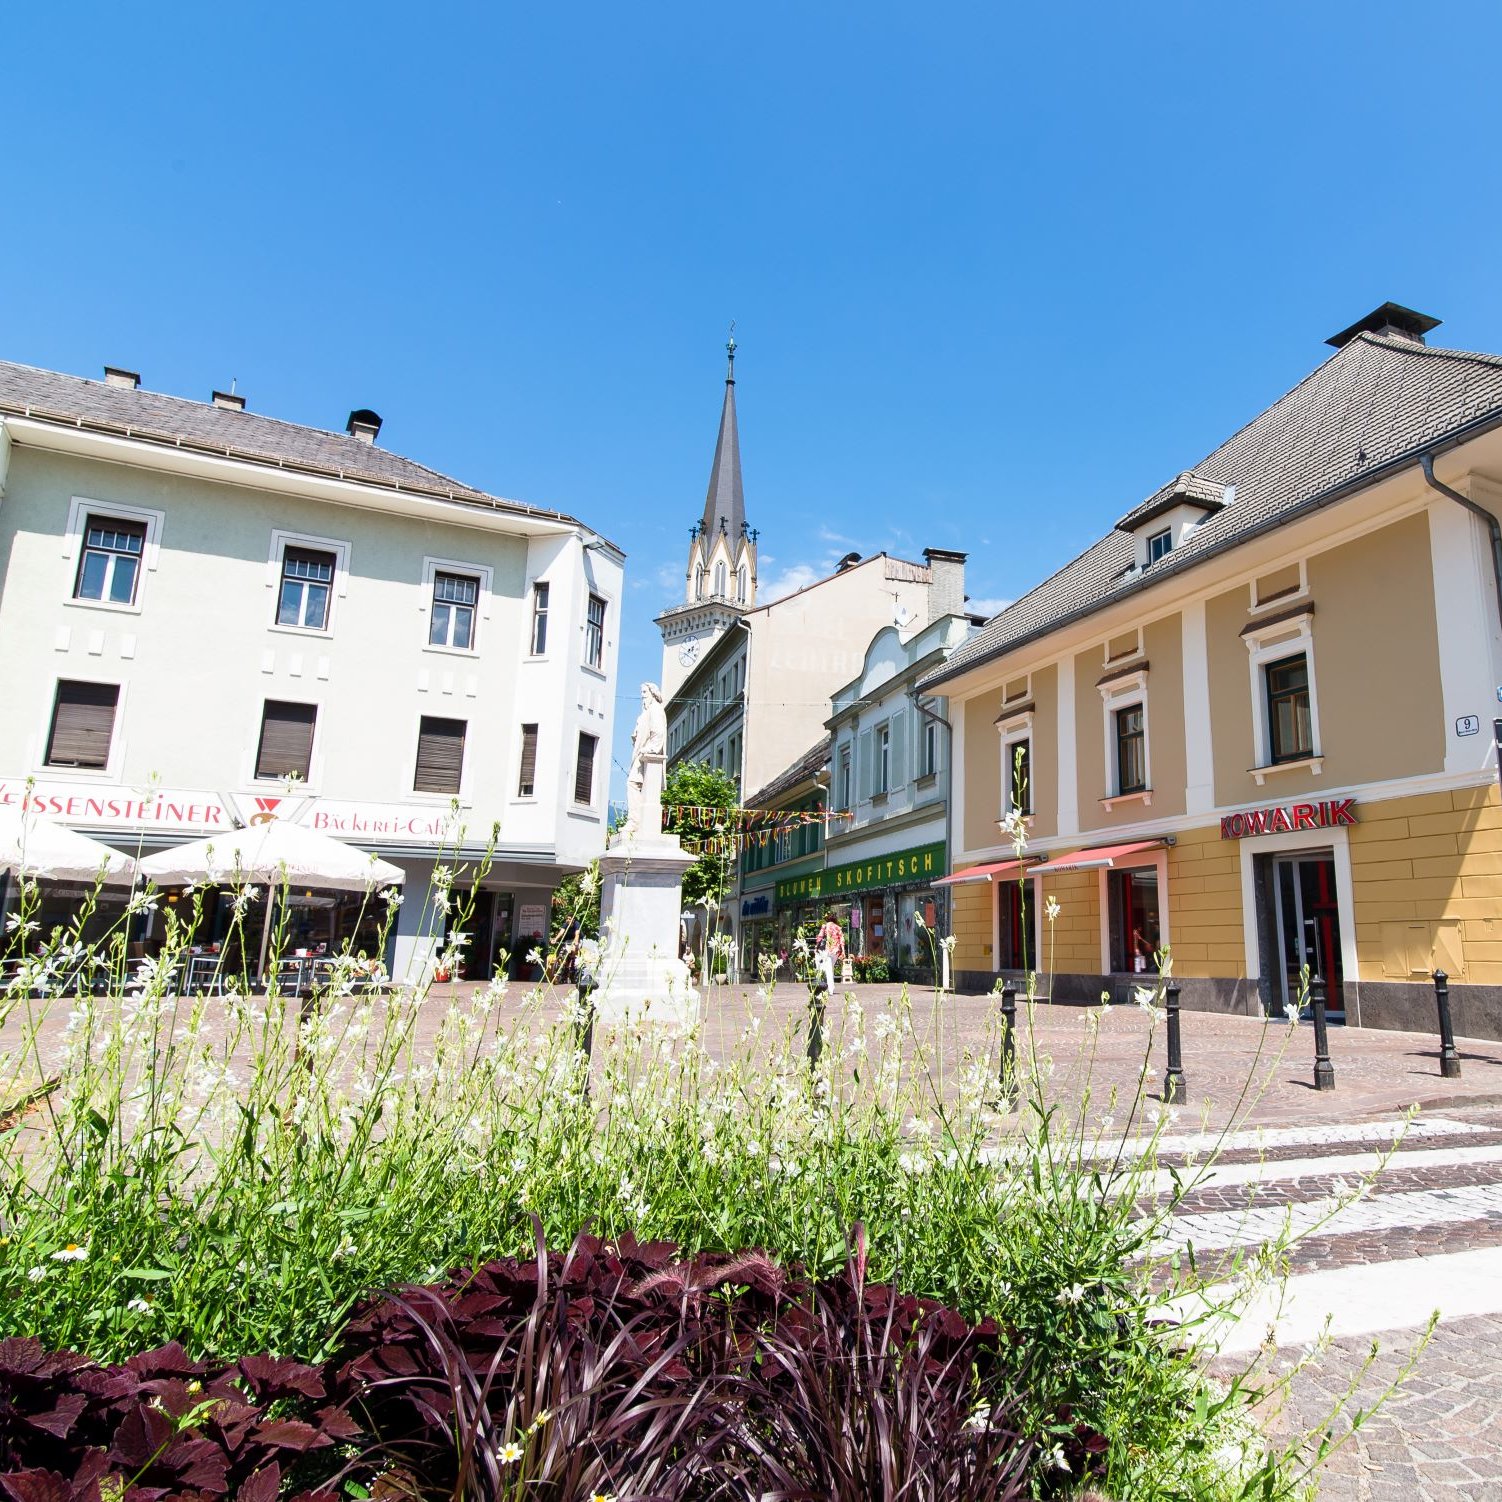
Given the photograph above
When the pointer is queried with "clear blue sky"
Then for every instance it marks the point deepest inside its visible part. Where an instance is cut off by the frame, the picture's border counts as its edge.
(997, 273)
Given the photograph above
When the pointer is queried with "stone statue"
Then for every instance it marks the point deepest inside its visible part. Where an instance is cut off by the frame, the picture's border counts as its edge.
(644, 782)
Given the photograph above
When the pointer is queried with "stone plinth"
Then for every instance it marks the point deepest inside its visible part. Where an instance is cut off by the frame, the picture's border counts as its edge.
(641, 979)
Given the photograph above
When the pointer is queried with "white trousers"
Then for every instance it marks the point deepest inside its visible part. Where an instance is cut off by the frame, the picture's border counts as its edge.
(825, 962)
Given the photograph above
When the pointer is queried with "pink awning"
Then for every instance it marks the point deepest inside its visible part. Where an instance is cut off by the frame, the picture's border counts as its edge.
(1101, 858)
(981, 873)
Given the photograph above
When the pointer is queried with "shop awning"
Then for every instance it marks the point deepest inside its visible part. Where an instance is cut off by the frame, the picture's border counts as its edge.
(981, 873)
(1101, 858)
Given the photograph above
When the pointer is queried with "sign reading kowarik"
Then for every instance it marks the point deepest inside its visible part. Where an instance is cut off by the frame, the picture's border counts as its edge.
(1280, 818)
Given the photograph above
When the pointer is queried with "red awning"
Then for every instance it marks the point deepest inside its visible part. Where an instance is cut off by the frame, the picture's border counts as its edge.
(1101, 858)
(981, 873)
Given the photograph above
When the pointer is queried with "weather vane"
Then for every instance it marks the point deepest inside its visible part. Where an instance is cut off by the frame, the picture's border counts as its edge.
(730, 345)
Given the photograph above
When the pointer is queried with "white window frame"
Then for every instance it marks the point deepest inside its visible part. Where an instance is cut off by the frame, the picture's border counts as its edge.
(1281, 601)
(464, 797)
(1013, 730)
(1158, 860)
(1156, 537)
(80, 509)
(1126, 692)
(532, 589)
(1270, 644)
(281, 540)
(111, 771)
(482, 573)
(845, 769)
(598, 669)
(881, 750)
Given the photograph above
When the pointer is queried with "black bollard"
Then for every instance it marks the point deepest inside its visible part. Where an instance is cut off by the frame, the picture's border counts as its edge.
(1324, 1070)
(1175, 1087)
(586, 1023)
(1449, 1060)
(1008, 1038)
(815, 1025)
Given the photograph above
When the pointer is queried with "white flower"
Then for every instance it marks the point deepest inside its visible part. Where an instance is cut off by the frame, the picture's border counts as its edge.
(1052, 909)
(392, 897)
(1291, 1012)
(1073, 1294)
(981, 1418)
(918, 918)
(71, 1253)
(509, 1453)
(1056, 1458)
(948, 944)
(36, 1274)
(139, 1306)
(141, 902)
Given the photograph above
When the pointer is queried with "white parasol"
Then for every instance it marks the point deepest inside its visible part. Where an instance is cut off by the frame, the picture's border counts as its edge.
(32, 846)
(268, 855)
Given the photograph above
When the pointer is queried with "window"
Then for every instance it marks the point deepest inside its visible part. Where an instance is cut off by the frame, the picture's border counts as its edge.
(883, 770)
(584, 769)
(526, 783)
(83, 724)
(110, 567)
(740, 585)
(719, 579)
(307, 579)
(286, 747)
(594, 633)
(1131, 751)
(453, 619)
(844, 778)
(1018, 772)
(1132, 904)
(440, 755)
(539, 619)
(1159, 544)
(930, 747)
(1289, 722)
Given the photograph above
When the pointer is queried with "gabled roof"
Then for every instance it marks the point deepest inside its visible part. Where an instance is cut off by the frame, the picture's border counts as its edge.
(1380, 400)
(1184, 489)
(152, 417)
(804, 769)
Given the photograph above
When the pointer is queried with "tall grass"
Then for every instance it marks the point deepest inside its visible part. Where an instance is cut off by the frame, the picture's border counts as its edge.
(236, 1172)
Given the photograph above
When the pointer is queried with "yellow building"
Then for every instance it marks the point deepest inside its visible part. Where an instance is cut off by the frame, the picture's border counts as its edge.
(1254, 722)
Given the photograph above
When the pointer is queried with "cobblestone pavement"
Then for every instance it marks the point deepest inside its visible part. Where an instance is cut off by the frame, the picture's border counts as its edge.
(1434, 1440)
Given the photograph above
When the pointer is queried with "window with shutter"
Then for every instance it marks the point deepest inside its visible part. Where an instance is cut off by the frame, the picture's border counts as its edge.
(83, 723)
(526, 783)
(898, 766)
(286, 748)
(865, 765)
(440, 755)
(584, 770)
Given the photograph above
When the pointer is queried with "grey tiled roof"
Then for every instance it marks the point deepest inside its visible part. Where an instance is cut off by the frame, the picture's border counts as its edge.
(150, 416)
(1184, 487)
(1379, 400)
(801, 770)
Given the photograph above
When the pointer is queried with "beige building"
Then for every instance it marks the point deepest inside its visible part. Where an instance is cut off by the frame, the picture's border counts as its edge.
(209, 616)
(1253, 722)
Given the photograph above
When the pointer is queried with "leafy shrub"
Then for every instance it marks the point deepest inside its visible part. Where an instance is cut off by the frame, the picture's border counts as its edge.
(871, 967)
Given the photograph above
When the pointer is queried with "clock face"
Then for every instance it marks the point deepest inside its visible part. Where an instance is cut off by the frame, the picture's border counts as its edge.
(688, 653)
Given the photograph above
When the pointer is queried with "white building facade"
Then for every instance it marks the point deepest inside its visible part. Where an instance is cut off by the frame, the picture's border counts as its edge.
(208, 616)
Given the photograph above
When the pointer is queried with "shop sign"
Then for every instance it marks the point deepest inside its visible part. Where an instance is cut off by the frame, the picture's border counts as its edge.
(119, 807)
(921, 863)
(1285, 817)
(756, 907)
(330, 816)
(532, 920)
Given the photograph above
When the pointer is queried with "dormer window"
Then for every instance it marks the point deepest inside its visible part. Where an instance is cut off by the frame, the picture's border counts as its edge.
(1159, 544)
(1168, 518)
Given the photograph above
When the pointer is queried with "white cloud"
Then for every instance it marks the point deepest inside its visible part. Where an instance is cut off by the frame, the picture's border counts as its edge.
(827, 534)
(987, 608)
(791, 579)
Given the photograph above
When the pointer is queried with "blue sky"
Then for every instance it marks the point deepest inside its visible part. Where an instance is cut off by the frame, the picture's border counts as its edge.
(996, 272)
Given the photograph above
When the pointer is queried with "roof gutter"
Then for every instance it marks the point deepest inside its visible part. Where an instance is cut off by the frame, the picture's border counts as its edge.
(1426, 463)
(1305, 508)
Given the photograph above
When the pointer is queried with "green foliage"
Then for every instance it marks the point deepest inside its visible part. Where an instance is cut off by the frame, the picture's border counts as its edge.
(696, 784)
(577, 900)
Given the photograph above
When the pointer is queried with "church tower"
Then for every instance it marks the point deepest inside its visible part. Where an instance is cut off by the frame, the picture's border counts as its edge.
(719, 584)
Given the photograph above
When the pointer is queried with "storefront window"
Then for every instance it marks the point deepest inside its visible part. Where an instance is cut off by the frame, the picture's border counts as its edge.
(919, 941)
(1016, 949)
(1134, 930)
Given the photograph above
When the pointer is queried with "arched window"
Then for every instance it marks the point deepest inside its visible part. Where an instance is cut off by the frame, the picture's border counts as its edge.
(719, 578)
(699, 582)
(740, 584)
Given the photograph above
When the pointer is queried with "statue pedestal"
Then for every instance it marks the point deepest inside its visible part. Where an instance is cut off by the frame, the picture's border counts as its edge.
(641, 979)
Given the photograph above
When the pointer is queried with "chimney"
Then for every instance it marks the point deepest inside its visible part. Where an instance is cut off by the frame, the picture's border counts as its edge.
(229, 401)
(364, 425)
(1392, 320)
(946, 582)
(126, 380)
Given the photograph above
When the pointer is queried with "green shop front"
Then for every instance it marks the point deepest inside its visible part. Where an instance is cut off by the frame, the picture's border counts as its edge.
(886, 902)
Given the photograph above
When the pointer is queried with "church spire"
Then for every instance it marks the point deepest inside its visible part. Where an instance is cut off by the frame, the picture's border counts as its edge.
(725, 504)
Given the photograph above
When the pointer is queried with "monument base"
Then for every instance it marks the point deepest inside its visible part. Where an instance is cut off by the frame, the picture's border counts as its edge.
(641, 980)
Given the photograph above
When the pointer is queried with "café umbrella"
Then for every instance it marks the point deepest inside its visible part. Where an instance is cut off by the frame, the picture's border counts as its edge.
(31, 846)
(270, 855)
